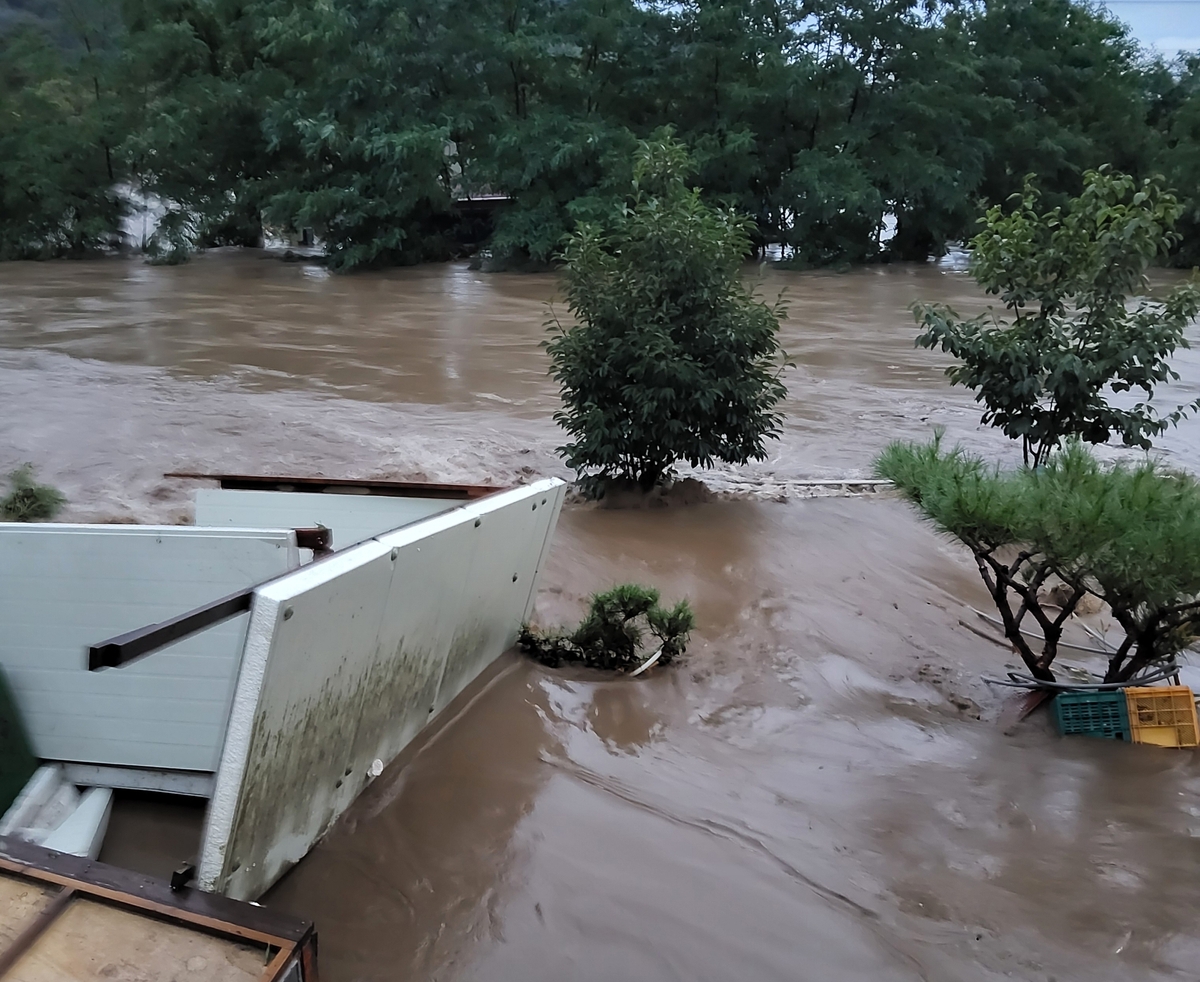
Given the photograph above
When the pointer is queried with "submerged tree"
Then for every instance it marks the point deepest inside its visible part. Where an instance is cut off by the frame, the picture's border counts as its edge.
(1128, 534)
(612, 634)
(672, 358)
(1066, 275)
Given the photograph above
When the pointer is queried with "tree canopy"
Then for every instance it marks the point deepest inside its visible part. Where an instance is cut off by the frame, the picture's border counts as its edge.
(371, 120)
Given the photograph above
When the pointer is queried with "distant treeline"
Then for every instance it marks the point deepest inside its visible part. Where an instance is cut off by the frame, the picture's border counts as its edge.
(365, 120)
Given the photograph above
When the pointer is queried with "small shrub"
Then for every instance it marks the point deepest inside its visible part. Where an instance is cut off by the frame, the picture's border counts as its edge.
(611, 635)
(28, 501)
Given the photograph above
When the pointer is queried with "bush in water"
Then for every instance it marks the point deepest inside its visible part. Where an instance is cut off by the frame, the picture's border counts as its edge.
(673, 358)
(1065, 275)
(611, 635)
(28, 501)
(1128, 534)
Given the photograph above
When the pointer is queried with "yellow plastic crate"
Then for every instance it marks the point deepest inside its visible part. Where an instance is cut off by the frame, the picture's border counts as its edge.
(1164, 716)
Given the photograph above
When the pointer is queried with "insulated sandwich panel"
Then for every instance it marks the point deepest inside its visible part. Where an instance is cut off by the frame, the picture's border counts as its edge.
(348, 659)
(352, 517)
(65, 587)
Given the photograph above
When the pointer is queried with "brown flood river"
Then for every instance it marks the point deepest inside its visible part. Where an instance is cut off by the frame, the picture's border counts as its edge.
(820, 792)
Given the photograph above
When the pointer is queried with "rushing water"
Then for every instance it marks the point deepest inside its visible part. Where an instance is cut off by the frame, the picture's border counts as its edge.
(821, 791)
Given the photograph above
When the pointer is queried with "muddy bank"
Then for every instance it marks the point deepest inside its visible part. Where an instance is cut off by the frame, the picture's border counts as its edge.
(820, 792)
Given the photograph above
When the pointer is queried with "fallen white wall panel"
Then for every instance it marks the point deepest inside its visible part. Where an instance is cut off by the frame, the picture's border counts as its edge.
(353, 518)
(346, 660)
(65, 587)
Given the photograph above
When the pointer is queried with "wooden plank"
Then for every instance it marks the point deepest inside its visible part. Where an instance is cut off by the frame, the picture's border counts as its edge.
(308, 960)
(97, 942)
(330, 485)
(207, 910)
(276, 965)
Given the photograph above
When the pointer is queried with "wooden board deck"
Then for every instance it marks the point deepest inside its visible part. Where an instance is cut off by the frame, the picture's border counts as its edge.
(21, 900)
(64, 919)
(96, 942)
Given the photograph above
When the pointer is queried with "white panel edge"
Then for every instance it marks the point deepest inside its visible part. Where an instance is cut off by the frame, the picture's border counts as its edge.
(558, 494)
(468, 512)
(222, 808)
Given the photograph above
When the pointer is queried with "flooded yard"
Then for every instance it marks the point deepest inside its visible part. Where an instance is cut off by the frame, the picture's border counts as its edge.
(820, 791)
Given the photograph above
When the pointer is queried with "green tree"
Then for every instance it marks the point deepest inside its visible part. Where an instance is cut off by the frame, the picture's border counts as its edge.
(369, 119)
(363, 156)
(1068, 90)
(1065, 276)
(672, 358)
(196, 85)
(58, 128)
(1176, 116)
(1129, 535)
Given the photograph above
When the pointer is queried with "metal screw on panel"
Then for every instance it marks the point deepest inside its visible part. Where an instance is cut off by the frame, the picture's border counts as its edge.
(478, 522)
(514, 577)
(395, 554)
(287, 613)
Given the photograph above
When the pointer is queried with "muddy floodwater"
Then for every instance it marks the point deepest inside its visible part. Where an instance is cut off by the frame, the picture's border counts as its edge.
(820, 792)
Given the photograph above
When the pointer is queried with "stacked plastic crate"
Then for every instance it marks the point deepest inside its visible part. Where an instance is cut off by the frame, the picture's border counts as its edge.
(1164, 716)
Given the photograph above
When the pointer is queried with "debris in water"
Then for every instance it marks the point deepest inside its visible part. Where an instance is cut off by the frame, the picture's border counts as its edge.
(29, 501)
(611, 634)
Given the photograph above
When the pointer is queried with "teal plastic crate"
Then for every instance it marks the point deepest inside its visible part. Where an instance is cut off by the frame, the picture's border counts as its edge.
(1097, 714)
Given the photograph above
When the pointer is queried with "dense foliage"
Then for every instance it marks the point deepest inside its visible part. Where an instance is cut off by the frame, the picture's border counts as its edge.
(1066, 276)
(28, 501)
(614, 632)
(672, 357)
(369, 120)
(1128, 534)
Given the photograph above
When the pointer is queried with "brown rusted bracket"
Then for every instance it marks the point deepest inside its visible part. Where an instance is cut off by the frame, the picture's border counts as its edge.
(319, 540)
(182, 877)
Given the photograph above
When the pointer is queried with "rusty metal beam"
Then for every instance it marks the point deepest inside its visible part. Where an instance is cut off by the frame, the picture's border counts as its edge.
(329, 485)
